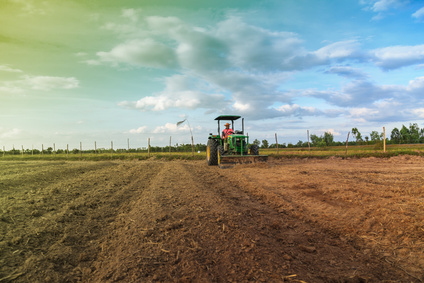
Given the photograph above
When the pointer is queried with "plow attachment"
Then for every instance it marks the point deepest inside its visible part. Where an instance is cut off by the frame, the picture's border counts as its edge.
(228, 161)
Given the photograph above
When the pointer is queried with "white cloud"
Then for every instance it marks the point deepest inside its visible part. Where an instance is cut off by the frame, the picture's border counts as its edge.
(419, 14)
(9, 133)
(44, 83)
(49, 83)
(333, 132)
(179, 93)
(254, 48)
(338, 50)
(131, 14)
(416, 84)
(398, 56)
(296, 110)
(142, 53)
(171, 128)
(419, 112)
(32, 6)
(347, 71)
(139, 130)
(383, 7)
(6, 68)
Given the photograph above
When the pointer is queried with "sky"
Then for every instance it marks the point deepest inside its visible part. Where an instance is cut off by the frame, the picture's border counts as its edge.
(85, 71)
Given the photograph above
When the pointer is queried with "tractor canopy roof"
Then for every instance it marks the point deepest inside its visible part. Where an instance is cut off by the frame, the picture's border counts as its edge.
(227, 117)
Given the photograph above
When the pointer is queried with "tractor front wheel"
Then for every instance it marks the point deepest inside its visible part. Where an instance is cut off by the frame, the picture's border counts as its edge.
(212, 152)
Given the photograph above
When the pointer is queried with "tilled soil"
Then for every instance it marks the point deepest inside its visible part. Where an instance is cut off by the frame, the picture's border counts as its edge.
(358, 220)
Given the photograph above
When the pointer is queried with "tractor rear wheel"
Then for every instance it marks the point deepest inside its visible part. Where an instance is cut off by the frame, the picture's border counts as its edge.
(254, 149)
(212, 152)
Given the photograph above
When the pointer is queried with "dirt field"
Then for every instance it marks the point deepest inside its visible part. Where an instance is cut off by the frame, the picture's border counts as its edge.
(358, 220)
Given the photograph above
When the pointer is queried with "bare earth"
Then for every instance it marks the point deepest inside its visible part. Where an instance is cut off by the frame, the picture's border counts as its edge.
(358, 220)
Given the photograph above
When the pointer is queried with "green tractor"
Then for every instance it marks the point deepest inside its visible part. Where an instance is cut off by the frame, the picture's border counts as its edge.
(234, 149)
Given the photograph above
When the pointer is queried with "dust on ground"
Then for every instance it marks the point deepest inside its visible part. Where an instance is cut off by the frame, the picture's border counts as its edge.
(294, 220)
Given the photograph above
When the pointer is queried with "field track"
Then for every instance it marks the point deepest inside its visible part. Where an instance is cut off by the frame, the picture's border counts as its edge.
(288, 220)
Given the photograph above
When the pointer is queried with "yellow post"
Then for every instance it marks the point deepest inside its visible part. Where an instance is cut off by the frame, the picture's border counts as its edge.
(384, 139)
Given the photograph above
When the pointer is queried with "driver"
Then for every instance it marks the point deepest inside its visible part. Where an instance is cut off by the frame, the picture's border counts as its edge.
(225, 133)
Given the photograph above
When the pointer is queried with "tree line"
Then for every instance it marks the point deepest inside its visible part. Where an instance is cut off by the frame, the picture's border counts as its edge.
(176, 148)
(406, 135)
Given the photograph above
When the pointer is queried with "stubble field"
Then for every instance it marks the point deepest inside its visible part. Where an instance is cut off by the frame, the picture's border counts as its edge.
(292, 220)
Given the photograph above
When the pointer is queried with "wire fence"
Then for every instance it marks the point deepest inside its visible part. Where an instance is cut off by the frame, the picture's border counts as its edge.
(93, 149)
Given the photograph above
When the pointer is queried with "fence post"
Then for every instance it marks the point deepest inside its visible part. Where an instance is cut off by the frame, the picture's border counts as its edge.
(170, 145)
(95, 147)
(148, 147)
(309, 144)
(276, 142)
(22, 151)
(192, 146)
(128, 140)
(384, 139)
(111, 148)
(42, 149)
(67, 150)
(347, 142)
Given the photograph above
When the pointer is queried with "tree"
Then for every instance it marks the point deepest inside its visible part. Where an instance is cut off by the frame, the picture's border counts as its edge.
(328, 138)
(357, 134)
(375, 136)
(257, 142)
(404, 134)
(299, 143)
(315, 140)
(395, 136)
(265, 144)
(414, 133)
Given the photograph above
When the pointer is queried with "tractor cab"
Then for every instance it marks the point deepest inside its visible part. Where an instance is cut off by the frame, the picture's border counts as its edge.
(230, 118)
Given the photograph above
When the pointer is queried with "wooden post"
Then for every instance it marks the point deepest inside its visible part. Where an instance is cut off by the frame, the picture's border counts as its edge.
(192, 146)
(276, 142)
(384, 139)
(54, 148)
(22, 151)
(309, 144)
(95, 147)
(128, 141)
(81, 149)
(42, 149)
(170, 145)
(347, 143)
(67, 150)
(111, 148)
(148, 147)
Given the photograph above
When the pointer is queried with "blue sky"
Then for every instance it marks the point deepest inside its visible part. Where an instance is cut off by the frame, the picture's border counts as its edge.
(86, 71)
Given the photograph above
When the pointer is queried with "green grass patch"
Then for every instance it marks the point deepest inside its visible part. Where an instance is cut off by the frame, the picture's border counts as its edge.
(358, 151)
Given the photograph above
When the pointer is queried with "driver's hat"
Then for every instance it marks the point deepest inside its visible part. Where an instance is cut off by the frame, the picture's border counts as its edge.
(227, 124)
